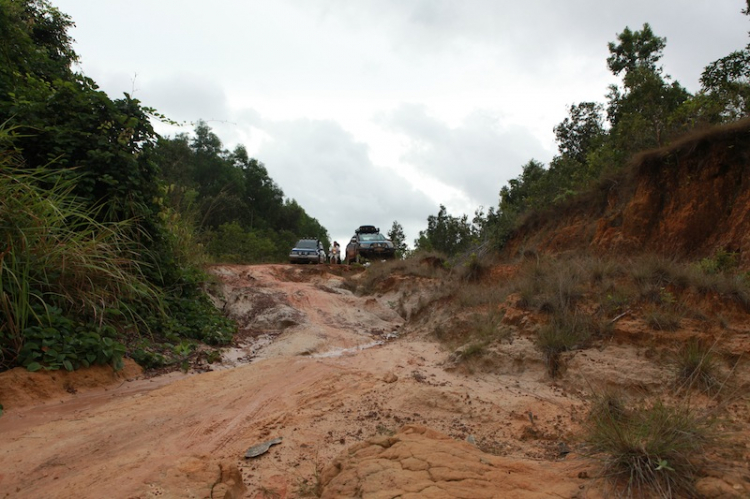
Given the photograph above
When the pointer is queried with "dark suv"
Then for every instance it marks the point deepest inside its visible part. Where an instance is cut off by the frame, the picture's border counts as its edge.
(307, 251)
(369, 243)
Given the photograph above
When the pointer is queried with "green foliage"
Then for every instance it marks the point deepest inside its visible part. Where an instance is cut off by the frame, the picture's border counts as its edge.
(189, 313)
(447, 234)
(722, 261)
(233, 244)
(652, 451)
(239, 212)
(64, 344)
(61, 270)
(396, 235)
(635, 50)
(582, 132)
(90, 257)
(726, 82)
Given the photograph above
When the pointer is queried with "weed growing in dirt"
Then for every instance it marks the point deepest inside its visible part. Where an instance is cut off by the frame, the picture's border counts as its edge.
(478, 295)
(651, 451)
(551, 286)
(563, 333)
(662, 320)
(311, 487)
(697, 367)
(378, 273)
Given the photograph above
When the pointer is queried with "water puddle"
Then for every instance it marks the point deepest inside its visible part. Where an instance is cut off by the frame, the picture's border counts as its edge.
(339, 352)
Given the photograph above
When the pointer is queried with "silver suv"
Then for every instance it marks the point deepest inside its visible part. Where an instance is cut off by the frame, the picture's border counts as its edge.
(368, 243)
(307, 251)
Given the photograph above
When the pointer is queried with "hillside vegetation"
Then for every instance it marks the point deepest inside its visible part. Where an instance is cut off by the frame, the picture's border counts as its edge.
(104, 225)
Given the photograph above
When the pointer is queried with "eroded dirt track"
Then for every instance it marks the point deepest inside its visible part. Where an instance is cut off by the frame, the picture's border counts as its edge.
(364, 408)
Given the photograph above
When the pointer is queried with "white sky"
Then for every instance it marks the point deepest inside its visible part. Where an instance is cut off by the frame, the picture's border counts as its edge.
(370, 111)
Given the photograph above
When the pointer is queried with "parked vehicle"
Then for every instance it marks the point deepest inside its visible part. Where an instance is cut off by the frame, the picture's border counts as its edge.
(368, 243)
(307, 250)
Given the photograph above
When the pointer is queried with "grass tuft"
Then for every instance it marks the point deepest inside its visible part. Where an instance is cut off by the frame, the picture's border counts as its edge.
(697, 367)
(653, 451)
(563, 333)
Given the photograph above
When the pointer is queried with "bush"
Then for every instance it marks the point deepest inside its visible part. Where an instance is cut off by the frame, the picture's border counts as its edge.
(61, 270)
(722, 261)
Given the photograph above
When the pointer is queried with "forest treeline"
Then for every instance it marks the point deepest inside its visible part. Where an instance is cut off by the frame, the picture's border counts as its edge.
(646, 110)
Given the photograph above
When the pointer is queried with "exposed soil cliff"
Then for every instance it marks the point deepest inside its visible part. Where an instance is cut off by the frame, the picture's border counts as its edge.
(690, 200)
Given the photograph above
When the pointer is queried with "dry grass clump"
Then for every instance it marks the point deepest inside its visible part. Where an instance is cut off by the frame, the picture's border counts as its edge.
(697, 367)
(480, 295)
(565, 332)
(654, 272)
(663, 320)
(650, 451)
(734, 287)
(479, 328)
(376, 274)
(551, 286)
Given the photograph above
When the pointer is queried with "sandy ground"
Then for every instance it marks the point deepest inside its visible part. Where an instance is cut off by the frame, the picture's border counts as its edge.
(316, 366)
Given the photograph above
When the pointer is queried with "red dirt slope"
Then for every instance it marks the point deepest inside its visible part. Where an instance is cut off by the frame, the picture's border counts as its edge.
(686, 200)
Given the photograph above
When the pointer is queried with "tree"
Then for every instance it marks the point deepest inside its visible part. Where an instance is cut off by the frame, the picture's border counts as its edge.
(639, 50)
(727, 82)
(447, 234)
(581, 132)
(396, 234)
(640, 112)
(66, 132)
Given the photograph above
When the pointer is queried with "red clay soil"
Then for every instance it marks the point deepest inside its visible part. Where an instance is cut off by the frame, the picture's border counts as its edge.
(689, 199)
(364, 405)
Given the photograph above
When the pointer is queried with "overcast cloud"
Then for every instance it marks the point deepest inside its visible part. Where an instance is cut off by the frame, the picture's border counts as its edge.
(370, 111)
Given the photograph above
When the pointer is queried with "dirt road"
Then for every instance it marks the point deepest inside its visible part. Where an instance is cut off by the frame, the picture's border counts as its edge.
(328, 373)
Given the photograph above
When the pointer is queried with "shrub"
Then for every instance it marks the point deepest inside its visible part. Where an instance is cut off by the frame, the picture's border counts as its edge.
(473, 269)
(722, 261)
(61, 270)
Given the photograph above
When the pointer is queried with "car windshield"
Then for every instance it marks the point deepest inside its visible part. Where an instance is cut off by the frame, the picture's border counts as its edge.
(307, 244)
(371, 237)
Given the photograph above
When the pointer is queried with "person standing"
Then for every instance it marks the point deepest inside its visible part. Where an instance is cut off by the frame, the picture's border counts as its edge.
(335, 253)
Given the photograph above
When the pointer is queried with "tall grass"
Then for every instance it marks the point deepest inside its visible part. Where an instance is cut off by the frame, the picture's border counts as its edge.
(650, 451)
(56, 259)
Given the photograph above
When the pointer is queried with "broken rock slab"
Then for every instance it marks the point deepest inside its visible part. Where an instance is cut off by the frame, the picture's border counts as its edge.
(419, 462)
